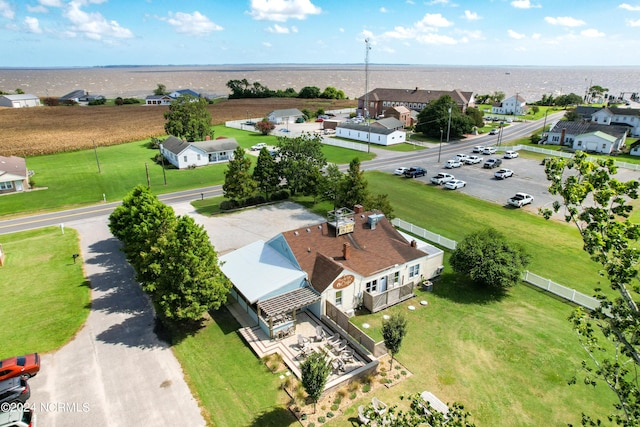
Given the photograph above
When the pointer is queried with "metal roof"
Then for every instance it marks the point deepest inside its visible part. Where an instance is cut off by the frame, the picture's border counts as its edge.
(289, 301)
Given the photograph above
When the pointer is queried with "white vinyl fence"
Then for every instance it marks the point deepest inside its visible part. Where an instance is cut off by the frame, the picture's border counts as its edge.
(531, 278)
(351, 145)
(566, 155)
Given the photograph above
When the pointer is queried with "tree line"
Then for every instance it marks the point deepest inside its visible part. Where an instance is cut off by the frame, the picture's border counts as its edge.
(244, 89)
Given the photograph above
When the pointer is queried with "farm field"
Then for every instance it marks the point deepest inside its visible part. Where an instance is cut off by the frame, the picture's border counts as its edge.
(46, 130)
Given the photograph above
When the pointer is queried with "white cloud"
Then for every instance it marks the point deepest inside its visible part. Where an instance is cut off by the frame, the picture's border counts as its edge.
(629, 7)
(266, 44)
(536, 36)
(50, 3)
(433, 20)
(277, 29)
(383, 10)
(524, 4)
(37, 9)
(281, 10)
(194, 23)
(565, 21)
(633, 23)
(434, 2)
(410, 2)
(94, 25)
(473, 35)
(514, 35)
(471, 16)
(424, 31)
(592, 32)
(435, 39)
(32, 24)
(341, 30)
(6, 10)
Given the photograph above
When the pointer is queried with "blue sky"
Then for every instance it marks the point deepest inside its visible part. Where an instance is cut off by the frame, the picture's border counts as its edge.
(53, 33)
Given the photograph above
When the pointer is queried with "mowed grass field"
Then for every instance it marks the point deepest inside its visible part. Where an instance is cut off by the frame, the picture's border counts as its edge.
(46, 130)
(45, 298)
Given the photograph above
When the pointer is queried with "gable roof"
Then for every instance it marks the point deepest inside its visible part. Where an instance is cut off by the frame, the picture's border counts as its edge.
(390, 123)
(12, 168)
(401, 109)
(367, 128)
(187, 92)
(19, 97)
(79, 93)
(581, 127)
(417, 95)
(320, 253)
(175, 145)
(158, 97)
(215, 145)
(600, 135)
(586, 111)
(288, 112)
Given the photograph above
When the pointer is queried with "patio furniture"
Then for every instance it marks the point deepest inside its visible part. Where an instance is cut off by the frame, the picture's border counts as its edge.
(337, 365)
(340, 347)
(346, 356)
(321, 335)
(334, 339)
(379, 406)
(362, 417)
(302, 342)
(434, 402)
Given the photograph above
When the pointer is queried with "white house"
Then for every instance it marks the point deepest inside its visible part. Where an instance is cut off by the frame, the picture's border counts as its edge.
(158, 100)
(588, 136)
(288, 115)
(389, 123)
(184, 154)
(515, 105)
(629, 117)
(19, 101)
(14, 176)
(371, 134)
(354, 259)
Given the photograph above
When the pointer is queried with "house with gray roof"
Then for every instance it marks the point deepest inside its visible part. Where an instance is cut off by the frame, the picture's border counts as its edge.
(158, 100)
(628, 117)
(181, 92)
(14, 176)
(588, 136)
(19, 101)
(388, 123)
(183, 154)
(288, 115)
(381, 99)
(79, 96)
(371, 134)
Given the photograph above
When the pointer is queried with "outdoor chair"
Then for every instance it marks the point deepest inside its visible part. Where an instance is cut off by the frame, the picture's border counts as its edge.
(339, 347)
(320, 333)
(334, 339)
(379, 406)
(302, 342)
(362, 417)
(346, 356)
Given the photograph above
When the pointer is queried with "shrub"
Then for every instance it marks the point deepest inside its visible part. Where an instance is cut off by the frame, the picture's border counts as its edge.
(322, 420)
(303, 417)
(330, 415)
(255, 200)
(230, 204)
(311, 425)
(366, 388)
(353, 395)
(280, 195)
(334, 407)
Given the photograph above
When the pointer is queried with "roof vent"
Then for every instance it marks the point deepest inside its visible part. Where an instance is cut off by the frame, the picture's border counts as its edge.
(295, 233)
(320, 227)
(308, 230)
(309, 250)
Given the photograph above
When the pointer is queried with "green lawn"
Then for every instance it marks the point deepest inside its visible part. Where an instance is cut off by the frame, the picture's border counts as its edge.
(45, 298)
(73, 179)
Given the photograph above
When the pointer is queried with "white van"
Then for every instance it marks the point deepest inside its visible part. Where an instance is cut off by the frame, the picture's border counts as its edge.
(18, 417)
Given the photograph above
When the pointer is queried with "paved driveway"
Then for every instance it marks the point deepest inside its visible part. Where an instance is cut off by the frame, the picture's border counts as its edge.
(115, 372)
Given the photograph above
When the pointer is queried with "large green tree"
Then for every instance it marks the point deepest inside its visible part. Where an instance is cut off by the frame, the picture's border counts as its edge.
(599, 205)
(266, 174)
(301, 162)
(238, 180)
(353, 188)
(435, 117)
(191, 281)
(188, 118)
(567, 100)
(314, 371)
(393, 332)
(160, 89)
(142, 223)
(309, 92)
(489, 259)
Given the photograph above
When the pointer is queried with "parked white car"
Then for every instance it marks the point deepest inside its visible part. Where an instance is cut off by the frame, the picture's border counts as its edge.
(503, 173)
(478, 149)
(489, 151)
(510, 154)
(520, 199)
(462, 157)
(454, 184)
(441, 178)
(259, 146)
(473, 160)
(400, 170)
(453, 163)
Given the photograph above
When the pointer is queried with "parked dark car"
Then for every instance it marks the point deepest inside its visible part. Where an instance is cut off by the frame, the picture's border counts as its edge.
(14, 389)
(414, 172)
(28, 365)
(492, 163)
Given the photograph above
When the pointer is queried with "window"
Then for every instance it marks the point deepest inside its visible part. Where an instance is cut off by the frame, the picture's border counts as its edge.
(6, 185)
(198, 156)
(185, 158)
(604, 146)
(396, 277)
(338, 298)
(414, 271)
(372, 286)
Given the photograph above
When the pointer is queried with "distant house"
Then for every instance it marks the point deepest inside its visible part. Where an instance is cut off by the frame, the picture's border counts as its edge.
(401, 113)
(178, 93)
(284, 116)
(80, 97)
(388, 123)
(634, 149)
(628, 117)
(515, 105)
(355, 259)
(585, 112)
(158, 100)
(14, 176)
(19, 101)
(382, 99)
(184, 154)
(588, 136)
(371, 134)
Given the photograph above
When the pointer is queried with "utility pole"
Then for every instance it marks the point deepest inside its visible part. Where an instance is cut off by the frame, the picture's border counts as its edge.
(440, 146)
(449, 125)
(164, 173)
(366, 93)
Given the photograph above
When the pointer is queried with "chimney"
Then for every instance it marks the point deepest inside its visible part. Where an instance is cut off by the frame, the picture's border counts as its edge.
(414, 244)
(346, 251)
(562, 135)
(358, 209)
